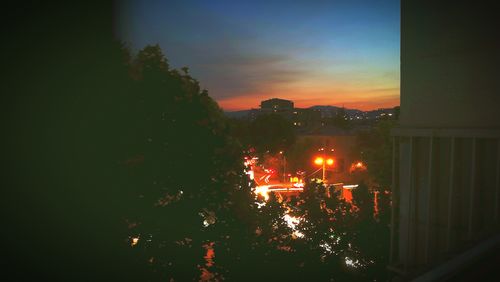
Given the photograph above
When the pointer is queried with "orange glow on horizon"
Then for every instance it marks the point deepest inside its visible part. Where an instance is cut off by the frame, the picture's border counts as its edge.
(253, 102)
(319, 89)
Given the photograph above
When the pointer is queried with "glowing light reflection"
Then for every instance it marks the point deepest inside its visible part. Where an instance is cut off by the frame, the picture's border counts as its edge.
(352, 263)
(292, 222)
(262, 190)
(134, 241)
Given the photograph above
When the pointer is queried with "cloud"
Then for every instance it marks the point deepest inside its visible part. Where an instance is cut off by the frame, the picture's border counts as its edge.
(238, 72)
(324, 53)
(246, 60)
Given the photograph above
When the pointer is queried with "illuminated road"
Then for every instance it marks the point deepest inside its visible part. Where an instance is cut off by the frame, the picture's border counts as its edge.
(264, 190)
(280, 187)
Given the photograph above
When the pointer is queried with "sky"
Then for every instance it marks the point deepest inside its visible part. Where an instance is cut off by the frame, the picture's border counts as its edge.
(324, 52)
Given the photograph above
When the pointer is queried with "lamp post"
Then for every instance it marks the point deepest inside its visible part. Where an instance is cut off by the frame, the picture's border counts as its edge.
(324, 162)
(284, 166)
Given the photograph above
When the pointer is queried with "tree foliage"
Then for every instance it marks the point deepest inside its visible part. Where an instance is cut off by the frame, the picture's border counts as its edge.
(376, 151)
(186, 190)
(182, 169)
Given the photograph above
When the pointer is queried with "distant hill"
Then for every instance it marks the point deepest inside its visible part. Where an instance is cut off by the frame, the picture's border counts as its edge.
(324, 108)
(329, 111)
(326, 112)
(379, 112)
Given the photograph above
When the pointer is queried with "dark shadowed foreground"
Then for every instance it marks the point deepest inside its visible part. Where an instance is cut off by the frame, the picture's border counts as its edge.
(118, 167)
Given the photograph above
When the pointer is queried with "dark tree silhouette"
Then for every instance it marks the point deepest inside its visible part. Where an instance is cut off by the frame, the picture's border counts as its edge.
(375, 148)
(182, 168)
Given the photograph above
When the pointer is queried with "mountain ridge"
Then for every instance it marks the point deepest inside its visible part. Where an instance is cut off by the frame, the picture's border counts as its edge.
(326, 110)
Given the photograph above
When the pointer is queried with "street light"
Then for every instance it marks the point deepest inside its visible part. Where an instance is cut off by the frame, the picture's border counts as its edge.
(318, 161)
(321, 161)
(284, 166)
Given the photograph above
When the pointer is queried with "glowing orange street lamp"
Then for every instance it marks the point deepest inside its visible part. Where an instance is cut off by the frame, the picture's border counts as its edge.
(321, 161)
(318, 161)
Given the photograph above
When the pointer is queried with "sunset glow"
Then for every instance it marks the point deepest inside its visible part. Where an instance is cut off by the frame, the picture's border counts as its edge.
(311, 52)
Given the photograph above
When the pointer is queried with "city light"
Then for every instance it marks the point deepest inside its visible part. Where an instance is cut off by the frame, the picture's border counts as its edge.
(134, 241)
(298, 185)
(352, 263)
(318, 161)
(322, 162)
(357, 166)
(263, 191)
(292, 222)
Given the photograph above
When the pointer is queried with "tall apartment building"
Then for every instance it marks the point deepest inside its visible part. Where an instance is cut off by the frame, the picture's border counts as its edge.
(446, 184)
(276, 104)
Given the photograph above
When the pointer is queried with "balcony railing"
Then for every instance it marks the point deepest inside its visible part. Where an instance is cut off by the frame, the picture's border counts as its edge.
(445, 190)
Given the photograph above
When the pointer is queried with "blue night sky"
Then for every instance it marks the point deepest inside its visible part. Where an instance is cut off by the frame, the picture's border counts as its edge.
(311, 52)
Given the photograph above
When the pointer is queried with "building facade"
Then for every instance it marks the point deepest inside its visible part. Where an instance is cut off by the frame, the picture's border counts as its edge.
(276, 104)
(446, 164)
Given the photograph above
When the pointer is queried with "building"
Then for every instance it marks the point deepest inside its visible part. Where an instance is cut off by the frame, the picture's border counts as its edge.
(276, 105)
(302, 119)
(305, 118)
(446, 153)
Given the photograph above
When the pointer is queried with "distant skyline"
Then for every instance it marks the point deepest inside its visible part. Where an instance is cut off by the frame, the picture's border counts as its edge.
(343, 53)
